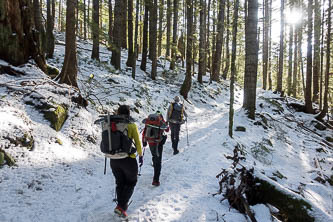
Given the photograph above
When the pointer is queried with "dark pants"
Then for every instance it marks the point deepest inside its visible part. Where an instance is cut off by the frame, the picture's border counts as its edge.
(175, 129)
(126, 173)
(157, 159)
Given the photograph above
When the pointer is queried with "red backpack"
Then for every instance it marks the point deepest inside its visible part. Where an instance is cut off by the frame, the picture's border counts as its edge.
(154, 125)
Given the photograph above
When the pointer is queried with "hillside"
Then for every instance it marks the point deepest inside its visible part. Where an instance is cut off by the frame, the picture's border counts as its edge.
(58, 175)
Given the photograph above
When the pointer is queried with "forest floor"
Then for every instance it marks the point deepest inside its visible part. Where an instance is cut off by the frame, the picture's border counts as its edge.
(61, 177)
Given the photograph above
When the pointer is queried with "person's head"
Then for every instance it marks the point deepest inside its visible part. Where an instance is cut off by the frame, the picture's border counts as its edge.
(124, 110)
(177, 99)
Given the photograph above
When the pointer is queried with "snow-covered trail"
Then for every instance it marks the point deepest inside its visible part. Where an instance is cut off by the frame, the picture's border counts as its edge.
(187, 179)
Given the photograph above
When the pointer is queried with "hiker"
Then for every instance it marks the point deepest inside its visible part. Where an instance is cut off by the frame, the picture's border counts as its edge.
(175, 117)
(156, 140)
(125, 168)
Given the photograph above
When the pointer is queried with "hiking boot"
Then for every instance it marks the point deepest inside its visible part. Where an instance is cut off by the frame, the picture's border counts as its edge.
(156, 183)
(175, 152)
(120, 212)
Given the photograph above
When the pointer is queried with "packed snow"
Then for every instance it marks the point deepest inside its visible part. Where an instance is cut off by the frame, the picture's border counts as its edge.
(61, 178)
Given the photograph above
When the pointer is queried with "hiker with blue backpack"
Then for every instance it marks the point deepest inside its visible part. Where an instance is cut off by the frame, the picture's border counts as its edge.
(175, 117)
(154, 135)
(120, 142)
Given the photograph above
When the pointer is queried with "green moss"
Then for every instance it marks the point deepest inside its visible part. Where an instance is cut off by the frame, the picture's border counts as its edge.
(52, 71)
(57, 117)
(293, 208)
(2, 158)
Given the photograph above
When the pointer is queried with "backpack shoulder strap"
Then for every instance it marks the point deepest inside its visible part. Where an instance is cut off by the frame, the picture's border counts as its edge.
(171, 109)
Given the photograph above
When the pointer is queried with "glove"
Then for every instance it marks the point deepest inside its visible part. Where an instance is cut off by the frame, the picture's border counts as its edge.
(144, 144)
(141, 160)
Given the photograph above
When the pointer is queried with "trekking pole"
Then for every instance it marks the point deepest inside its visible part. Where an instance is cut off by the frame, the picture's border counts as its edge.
(188, 144)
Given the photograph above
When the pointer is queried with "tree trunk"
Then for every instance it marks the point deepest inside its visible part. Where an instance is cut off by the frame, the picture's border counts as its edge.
(328, 55)
(169, 14)
(110, 32)
(130, 34)
(49, 32)
(208, 36)
(227, 61)
(186, 86)
(216, 66)
(88, 19)
(174, 36)
(265, 44)
(68, 73)
(202, 43)
(322, 59)
(19, 40)
(308, 90)
(123, 26)
(233, 67)
(294, 87)
(39, 26)
(251, 58)
(85, 20)
(281, 50)
(150, 34)
(95, 30)
(117, 36)
(145, 37)
(160, 27)
(194, 38)
(290, 60)
(316, 52)
(270, 82)
(136, 47)
(153, 31)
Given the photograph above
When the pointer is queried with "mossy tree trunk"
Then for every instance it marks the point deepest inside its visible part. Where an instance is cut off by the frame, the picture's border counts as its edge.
(19, 40)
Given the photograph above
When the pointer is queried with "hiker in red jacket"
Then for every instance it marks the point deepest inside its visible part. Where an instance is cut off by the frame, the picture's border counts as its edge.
(153, 134)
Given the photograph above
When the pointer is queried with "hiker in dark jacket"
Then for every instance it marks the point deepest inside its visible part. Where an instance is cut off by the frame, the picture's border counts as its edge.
(125, 169)
(156, 146)
(175, 118)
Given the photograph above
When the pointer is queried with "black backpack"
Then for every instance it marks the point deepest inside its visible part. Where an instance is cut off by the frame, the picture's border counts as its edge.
(176, 112)
(115, 142)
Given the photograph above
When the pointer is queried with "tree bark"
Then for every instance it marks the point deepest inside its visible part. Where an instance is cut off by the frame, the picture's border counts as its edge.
(174, 36)
(186, 86)
(117, 36)
(68, 73)
(265, 44)
(19, 40)
(39, 25)
(316, 52)
(233, 67)
(136, 47)
(281, 50)
(328, 55)
(110, 32)
(153, 31)
(130, 34)
(169, 14)
(251, 58)
(202, 43)
(145, 37)
(216, 64)
(227, 60)
(123, 26)
(208, 37)
(160, 27)
(294, 87)
(95, 30)
(290, 60)
(270, 82)
(49, 32)
(308, 90)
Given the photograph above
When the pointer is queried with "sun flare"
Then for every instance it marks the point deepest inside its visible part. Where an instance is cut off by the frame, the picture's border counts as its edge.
(293, 17)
